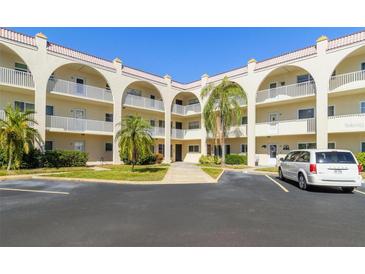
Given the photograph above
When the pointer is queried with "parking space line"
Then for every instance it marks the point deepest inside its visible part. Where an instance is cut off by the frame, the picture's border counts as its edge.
(33, 190)
(277, 183)
(358, 191)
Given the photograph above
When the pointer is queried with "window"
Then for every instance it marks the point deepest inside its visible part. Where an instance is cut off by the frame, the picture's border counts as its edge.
(152, 123)
(161, 149)
(21, 67)
(304, 78)
(194, 125)
(228, 149)
(244, 120)
(78, 113)
(218, 150)
(49, 110)
(108, 146)
(331, 111)
(286, 147)
(243, 148)
(135, 92)
(194, 148)
(362, 146)
(161, 123)
(193, 101)
(331, 145)
(306, 113)
(48, 145)
(293, 156)
(303, 157)
(79, 146)
(272, 85)
(22, 106)
(334, 157)
(108, 117)
(307, 145)
(362, 107)
(362, 66)
(179, 102)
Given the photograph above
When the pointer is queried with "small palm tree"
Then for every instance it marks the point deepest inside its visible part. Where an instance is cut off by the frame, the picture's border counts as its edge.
(16, 134)
(222, 109)
(134, 138)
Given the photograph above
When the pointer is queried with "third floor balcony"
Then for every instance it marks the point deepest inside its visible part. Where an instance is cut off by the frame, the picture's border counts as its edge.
(143, 102)
(288, 127)
(186, 110)
(348, 81)
(287, 92)
(186, 134)
(63, 87)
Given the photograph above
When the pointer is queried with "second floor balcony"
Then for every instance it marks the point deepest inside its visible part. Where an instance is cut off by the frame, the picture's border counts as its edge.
(288, 127)
(16, 78)
(157, 132)
(186, 134)
(143, 102)
(346, 123)
(79, 90)
(75, 125)
(348, 81)
(186, 110)
(286, 92)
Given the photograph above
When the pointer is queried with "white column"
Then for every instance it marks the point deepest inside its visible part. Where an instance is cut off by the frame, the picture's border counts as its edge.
(117, 109)
(251, 118)
(167, 103)
(203, 149)
(40, 80)
(322, 87)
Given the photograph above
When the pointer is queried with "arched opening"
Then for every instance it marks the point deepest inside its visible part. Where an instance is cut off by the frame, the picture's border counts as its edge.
(186, 128)
(236, 138)
(16, 81)
(79, 112)
(281, 123)
(143, 99)
(346, 103)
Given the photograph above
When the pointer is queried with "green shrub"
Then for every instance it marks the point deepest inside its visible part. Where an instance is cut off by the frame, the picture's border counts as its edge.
(236, 159)
(142, 160)
(209, 159)
(64, 158)
(158, 158)
(361, 158)
(34, 159)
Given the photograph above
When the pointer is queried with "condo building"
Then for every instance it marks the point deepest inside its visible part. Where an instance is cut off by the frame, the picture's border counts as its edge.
(307, 98)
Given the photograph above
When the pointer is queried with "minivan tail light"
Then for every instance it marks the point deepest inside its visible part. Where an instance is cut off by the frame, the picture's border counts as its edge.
(313, 168)
(359, 166)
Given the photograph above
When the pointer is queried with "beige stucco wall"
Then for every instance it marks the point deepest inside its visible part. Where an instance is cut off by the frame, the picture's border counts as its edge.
(350, 64)
(347, 104)
(9, 95)
(349, 141)
(94, 144)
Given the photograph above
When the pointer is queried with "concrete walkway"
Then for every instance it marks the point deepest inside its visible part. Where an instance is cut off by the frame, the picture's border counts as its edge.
(180, 172)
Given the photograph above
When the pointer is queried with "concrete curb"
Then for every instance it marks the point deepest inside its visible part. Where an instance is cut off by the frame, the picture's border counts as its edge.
(220, 175)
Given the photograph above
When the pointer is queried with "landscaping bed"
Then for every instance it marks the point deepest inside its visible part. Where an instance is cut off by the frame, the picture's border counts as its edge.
(267, 169)
(4, 172)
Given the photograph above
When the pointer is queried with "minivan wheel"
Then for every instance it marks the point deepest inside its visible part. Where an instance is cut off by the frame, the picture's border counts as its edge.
(302, 182)
(347, 189)
(281, 176)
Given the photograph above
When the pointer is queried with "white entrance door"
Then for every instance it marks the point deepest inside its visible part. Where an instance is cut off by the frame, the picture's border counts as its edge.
(79, 123)
(273, 149)
(80, 88)
(273, 123)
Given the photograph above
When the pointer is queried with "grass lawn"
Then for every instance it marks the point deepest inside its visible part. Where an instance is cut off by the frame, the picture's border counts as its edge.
(363, 175)
(40, 170)
(212, 171)
(268, 169)
(120, 172)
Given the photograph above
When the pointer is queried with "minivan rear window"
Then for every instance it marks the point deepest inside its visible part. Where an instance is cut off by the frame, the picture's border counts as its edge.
(334, 157)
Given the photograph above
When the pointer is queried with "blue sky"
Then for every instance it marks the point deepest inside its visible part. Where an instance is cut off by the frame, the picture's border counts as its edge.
(186, 53)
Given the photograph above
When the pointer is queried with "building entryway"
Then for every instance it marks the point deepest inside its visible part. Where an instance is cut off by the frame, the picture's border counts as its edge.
(178, 152)
(181, 172)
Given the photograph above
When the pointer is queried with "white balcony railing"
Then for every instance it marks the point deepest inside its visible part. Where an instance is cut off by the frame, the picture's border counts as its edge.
(16, 78)
(186, 133)
(78, 125)
(75, 89)
(2, 114)
(346, 123)
(289, 127)
(286, 92)
(143, 102)
(157, 132)
(186, 110)
(343, 79)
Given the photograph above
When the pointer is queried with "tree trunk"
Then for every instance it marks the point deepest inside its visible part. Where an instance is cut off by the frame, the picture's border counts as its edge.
(10, 160)
(223, 144)
(133, 158)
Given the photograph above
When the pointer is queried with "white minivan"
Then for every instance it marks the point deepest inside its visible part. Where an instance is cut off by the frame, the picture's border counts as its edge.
(322, 167)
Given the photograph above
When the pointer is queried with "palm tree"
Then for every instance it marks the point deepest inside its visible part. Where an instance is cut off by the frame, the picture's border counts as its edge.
(222, 109)
(134, 138)
(16, 134)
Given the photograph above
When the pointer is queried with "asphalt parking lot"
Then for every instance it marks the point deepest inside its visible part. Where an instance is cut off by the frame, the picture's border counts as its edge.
(241, 210)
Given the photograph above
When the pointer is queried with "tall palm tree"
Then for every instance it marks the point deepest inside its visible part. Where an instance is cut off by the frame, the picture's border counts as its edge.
(16, 134)
(222, 109)
(135, 138)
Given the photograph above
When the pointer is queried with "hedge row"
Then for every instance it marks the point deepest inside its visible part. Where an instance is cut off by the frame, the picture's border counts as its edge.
(150, 159)
(361, 158)
(231, 159)
(55, 158)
